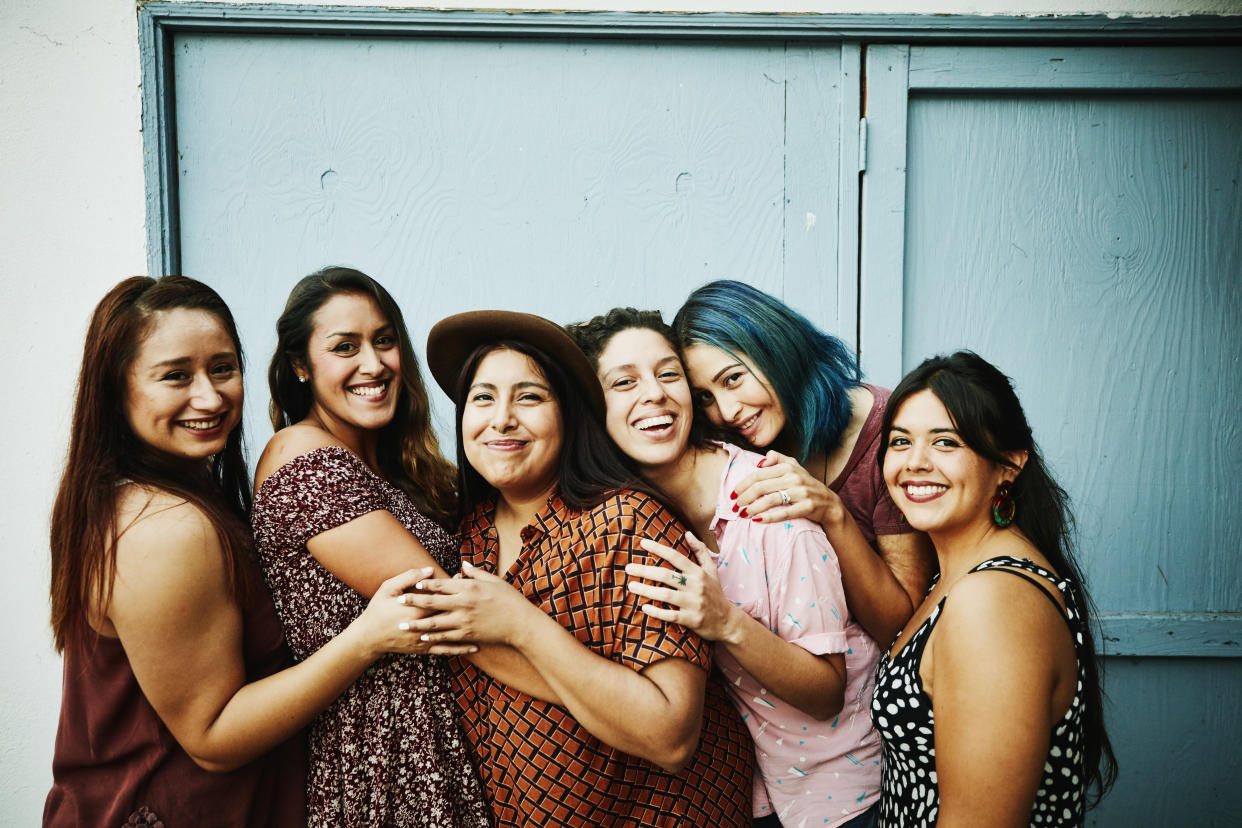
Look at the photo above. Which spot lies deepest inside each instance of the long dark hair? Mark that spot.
(104, 453)
(986, 413)
(590, 466)
(594, 335)
(409, 453)
(810, 372)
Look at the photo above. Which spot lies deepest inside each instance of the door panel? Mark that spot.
(560, 177)
(1073, 215)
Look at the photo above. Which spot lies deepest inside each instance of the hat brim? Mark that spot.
(453, 339)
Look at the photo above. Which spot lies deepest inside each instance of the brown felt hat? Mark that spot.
(453, 339)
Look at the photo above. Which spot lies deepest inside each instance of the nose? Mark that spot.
(369, 361)
(729, 408)
(203, 393)
(652, 390)
(502, 416)
(918, 457)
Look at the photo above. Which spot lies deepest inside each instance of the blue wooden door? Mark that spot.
(1075, 215)
(557, 176)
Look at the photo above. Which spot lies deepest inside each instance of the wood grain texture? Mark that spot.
(561, 177)
(1090, 247)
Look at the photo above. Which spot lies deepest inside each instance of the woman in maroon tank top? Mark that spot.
(175, 707)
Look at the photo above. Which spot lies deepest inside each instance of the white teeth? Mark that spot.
(654, 422)
(926, 490)
(368, 390)
(199, 425)
(749, 422)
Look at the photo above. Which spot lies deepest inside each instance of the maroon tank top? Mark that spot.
(116, 764)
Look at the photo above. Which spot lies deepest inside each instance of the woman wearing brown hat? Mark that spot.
(637, 734)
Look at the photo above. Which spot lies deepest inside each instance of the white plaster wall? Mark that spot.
(72, 224)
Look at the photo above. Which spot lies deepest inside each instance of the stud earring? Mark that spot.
(301, 378)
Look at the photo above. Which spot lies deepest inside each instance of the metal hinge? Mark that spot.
(862, 144)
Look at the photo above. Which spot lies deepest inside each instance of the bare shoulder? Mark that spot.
(288, 443)
(998, 609)
(165, 545)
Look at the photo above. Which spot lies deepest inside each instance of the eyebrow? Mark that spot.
(727, 368)
(896, 427)
(525, 384)
(387, 328)
(631, 366)
(185, 360)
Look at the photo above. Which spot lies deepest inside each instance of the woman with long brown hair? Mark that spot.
(176, 709)
(351, 489)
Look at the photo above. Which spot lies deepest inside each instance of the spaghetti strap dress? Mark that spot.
(902, 713)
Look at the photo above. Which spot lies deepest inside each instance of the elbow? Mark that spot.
(678, 758)
(675, 754)
(215, 765)
(824, 707)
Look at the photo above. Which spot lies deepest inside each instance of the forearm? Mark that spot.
(876, 599)
(813, 684)
(264, 713)
(510, 667)
(616, 704)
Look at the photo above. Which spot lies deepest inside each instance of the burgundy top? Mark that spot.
(861, 483)
(116, 764)
(540, 766)
(389, 751)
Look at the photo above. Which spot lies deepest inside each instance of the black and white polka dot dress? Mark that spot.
(902, 713)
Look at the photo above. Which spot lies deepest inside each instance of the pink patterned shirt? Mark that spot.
(786, 576)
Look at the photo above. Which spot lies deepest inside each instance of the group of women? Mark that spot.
(614, 610)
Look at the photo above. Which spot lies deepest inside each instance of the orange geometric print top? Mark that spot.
(538, 765)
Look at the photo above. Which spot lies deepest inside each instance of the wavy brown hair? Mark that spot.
(409, 453)
(104, 453)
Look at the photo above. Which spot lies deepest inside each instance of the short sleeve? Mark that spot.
(808, 600)
(636, 638)
(315, 492)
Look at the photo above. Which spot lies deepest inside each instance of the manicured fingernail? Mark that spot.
(732, 495)
(466, 565)
(743, 513)
(401, 600)
(424, 637)
(761, 462)
(427, 570)
(404, 626)
(757, 519)
(419, 585)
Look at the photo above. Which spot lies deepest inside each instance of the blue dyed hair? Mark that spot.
(810, 372)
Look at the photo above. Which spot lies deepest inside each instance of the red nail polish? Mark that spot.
(757, 520)
(732, 495)
(743, 513)
(761, 462)
(735, 507)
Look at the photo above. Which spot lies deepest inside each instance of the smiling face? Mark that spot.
(649, 410)
(511, 426)
(734, 394)
(939, 483)
(185, 385)
(354, 367)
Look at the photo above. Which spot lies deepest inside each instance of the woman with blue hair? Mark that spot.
(764, 373)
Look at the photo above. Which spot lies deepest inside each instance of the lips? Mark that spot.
(201, 425)
(505, 445)
(370, 390)
(923, 492)
(748, 426)
(658, 422)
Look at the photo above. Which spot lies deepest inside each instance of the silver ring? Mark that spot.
(679, 579)
(785, 499)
